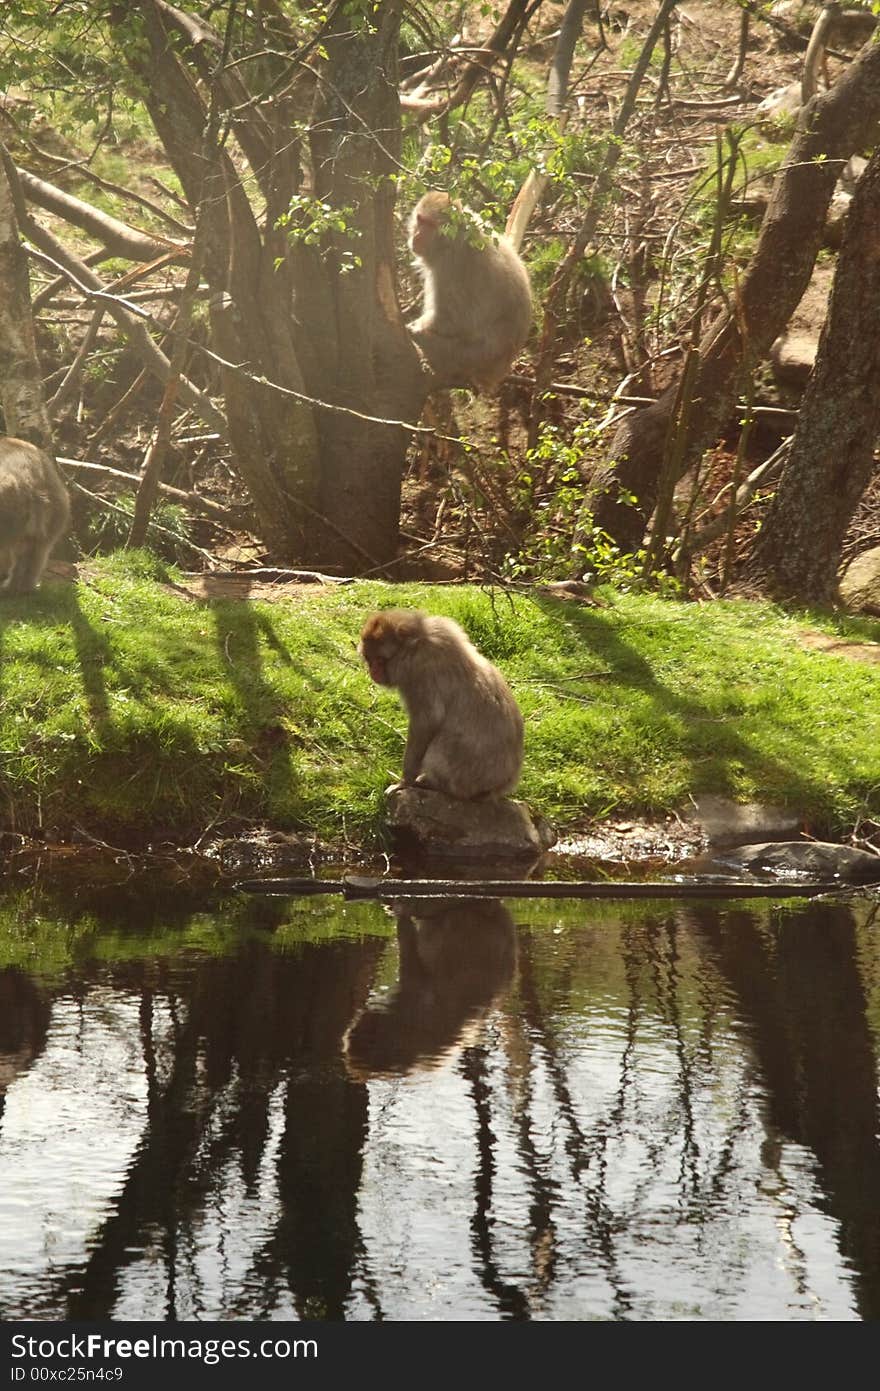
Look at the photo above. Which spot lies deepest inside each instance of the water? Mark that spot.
(267, 1109)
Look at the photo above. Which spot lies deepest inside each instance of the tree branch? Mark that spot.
(116, 236)
(128, 317)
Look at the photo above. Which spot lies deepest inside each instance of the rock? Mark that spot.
(577, 590)
(835, 222)
(794, 351)
(792, 356)
(851, 173)
(853, 27)
(813, 859)
(860, 583)
(726, 823)
(431, 823)
(778, 111)
(798, 14)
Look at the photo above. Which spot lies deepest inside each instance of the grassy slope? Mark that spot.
(127, 709)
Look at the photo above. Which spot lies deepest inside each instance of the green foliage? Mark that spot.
(757, 163)
(560, 153)
(314, 222)
(106, 529)
(548, 493)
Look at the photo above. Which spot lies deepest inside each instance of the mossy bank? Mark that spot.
(131, 711)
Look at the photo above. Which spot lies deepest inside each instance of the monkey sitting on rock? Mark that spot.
(477, 309)
(34, 514)
(465, 733)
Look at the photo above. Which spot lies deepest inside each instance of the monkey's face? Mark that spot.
(424, 231)
(428, 216)
(378, 646)
(377, 665)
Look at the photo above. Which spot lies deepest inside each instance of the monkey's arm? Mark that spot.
(424, 722)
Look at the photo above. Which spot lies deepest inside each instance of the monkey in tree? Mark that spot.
(34, 513)
(465, 733)
(477, 309)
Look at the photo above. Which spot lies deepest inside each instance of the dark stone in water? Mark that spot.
(815, 859)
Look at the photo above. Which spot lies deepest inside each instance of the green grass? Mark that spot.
(131, 712)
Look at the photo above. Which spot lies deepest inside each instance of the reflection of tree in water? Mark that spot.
(24, 1019)
(244, 1029)
(799, 984)
(247, 1075)
(456, 958)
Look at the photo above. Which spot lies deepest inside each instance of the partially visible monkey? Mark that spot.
(465, 728)
(477, 309)
(34, 513)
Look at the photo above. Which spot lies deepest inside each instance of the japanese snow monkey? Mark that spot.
(477, 309)
(34, 514)
(465, 733)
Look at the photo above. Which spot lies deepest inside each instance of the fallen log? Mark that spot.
(357, 886)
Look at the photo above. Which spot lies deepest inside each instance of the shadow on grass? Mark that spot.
(59, 603)
(152, 772)
(238, 630)
(628, 669)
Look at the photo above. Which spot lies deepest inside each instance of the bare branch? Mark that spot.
(116, 236)
(535, 186)
(193, 502)
(128, 317)
(81, 166)
(73, 375)
(424, 106)
(816, 49)
(154, 526)
(699, 540)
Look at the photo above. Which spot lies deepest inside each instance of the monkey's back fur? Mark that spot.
(458, 703)
(477, 307)
(34, 513)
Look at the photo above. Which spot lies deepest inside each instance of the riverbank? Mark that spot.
(133, 711)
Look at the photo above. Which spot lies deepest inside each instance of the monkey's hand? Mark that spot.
(395, 787)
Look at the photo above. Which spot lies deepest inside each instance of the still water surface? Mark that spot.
(280, 1109)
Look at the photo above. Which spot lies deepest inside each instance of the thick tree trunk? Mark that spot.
(797, 551)
(21, 391)
(830, 129)
(356, 352)
(313, 355)
(272, 434)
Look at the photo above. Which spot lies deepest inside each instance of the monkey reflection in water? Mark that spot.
(457, 956)
(465, 734)
(34, 514)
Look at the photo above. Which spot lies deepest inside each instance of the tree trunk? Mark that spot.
(307, 348)
(830, 129)
(272, 434)
(797, 551)
(21, 391)
(361, 356)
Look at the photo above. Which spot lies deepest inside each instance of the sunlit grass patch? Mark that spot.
(129, 710)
